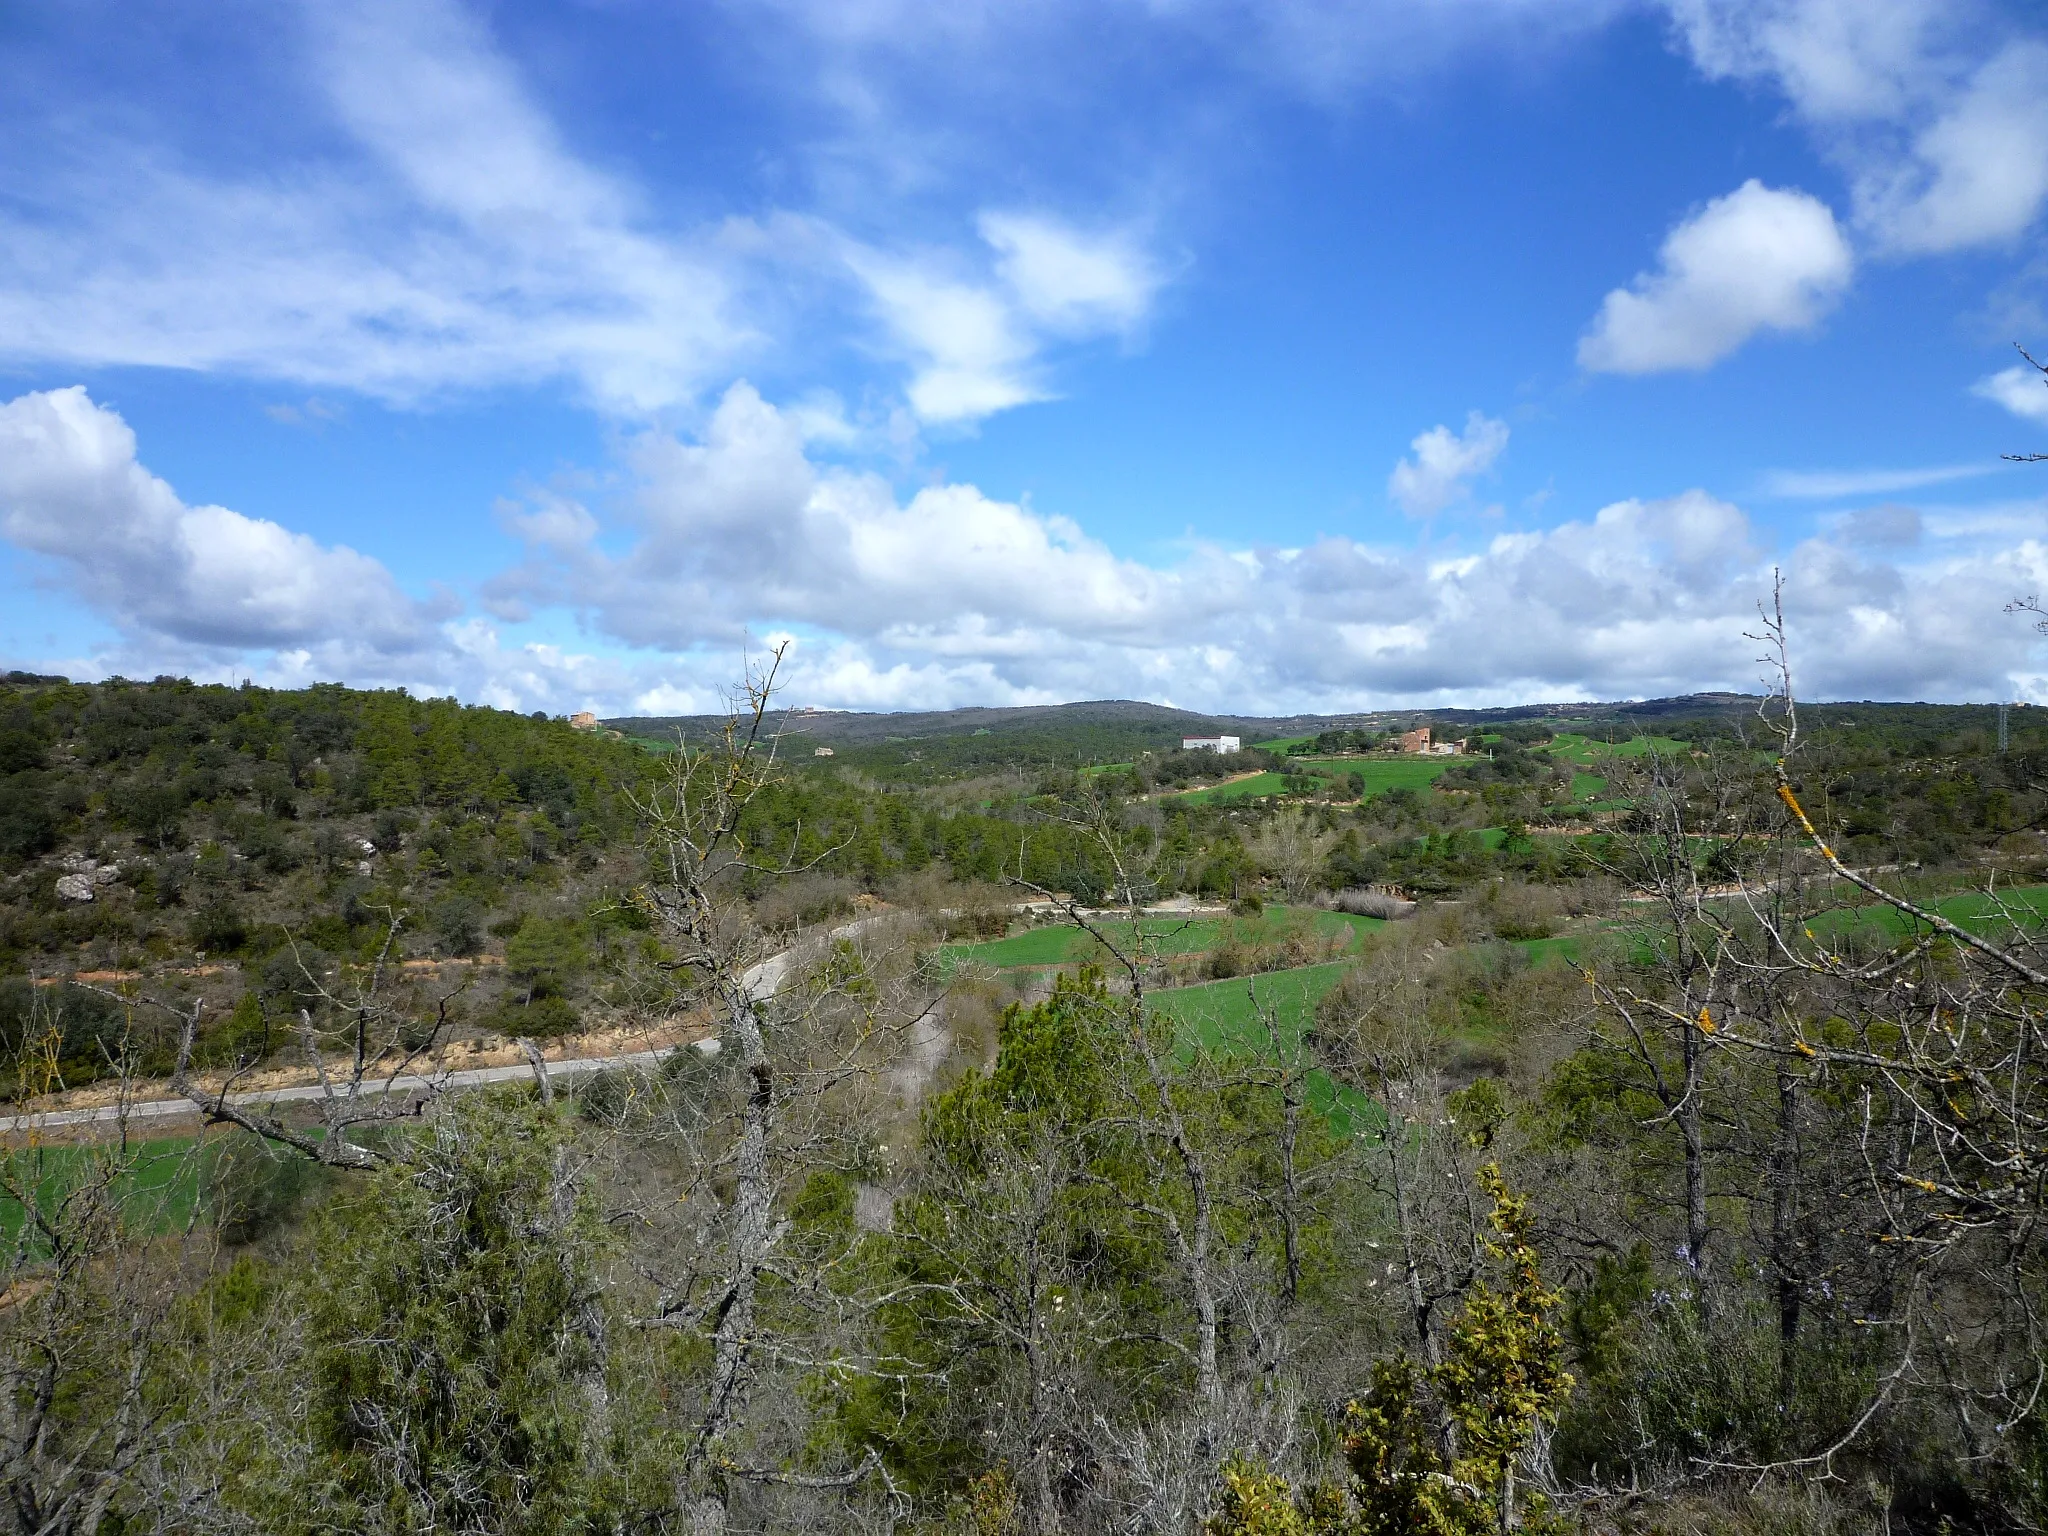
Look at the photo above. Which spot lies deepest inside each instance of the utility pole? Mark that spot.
(2002, 709)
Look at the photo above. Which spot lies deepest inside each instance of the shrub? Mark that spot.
(545, 955)
(459, 924)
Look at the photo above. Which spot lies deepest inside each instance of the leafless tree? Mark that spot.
(83, 1300)
(789, 1085)
(377, 1065)
(1292, 846)
(2031, 458)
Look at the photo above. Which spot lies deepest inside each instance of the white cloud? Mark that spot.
(1976, 174)
(1444, 465)
(2020, 389)
(1936, 109)
(1841, 61)
(1830, 484)
(217, 595)
(952, 597)
(971, 354)
(427, 228)
(1757, 259)
(455, 242)
(1069, 280)
(976, 339)
(71, 490)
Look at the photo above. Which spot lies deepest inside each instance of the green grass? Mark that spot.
(1585, 751)
(1063, 945)
(1281, 743)
(1973, 910)
(1244, 789)
(1642, 746)
(1567, 949)
(1588, 786)
(1384, 773)
(1229, 1018)
(161, 1188)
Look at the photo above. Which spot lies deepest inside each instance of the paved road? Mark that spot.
(762, 981)
(441, 1082)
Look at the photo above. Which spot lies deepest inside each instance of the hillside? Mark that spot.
(226, 844)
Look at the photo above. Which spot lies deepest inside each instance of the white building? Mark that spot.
(1208, 744)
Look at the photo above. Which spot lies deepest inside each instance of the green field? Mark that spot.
(161, 1188)
(1231, 1018)
(1585, 751)
(1384, 773)
(1063, 945)
(1244, 789)
(1974, 910)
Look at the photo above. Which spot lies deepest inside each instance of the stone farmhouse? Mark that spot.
(1420, 740)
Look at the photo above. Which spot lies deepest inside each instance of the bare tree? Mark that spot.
(1292, 846)
(375, 1062)
(2042, 368)
(789, 1086)
(83, 1300)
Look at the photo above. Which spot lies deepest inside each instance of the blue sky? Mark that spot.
(1244, 356)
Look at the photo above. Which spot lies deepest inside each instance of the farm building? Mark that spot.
(1419, 740)
(1208, 744)
(583, 720)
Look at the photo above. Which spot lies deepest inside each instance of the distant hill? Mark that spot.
(1138, 719)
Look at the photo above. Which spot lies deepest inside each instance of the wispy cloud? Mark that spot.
(2021, 390)
(1833, 484)
(449, 238)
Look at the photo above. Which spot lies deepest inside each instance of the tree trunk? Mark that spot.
(1784, 1232)
(1691, 1126)
(732, 1337)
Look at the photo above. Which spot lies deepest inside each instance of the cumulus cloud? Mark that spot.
(1758, 259)
(949, 596)
(1444, 464)
(218, 595)
(954, 597)
(2021, 390)
(1938, 112)
(72, 490)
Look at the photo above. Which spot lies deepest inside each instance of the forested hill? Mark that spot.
(253, 836)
